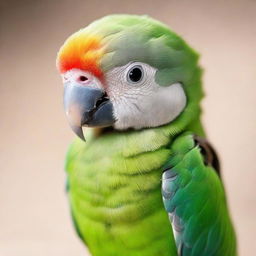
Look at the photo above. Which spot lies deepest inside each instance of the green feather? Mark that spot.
(115, 179)
(198, 202)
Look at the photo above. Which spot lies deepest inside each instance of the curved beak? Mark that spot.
(87, 106)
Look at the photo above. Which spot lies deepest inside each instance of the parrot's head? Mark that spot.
(128, 71)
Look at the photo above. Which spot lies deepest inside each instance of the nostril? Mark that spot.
(83, 78)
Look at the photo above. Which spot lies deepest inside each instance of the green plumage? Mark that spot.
(197, 201)
(115, 179)
(115, 192)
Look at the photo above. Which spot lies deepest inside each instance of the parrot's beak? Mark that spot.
(87, 106)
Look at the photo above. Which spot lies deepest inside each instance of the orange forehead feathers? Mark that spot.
(81, 51)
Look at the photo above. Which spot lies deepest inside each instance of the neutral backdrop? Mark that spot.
(34, 216)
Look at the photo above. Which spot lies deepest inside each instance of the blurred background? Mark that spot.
(34, 215)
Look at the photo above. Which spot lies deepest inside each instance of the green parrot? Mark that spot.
(142, 180)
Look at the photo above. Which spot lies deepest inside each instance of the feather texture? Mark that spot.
(193, 195)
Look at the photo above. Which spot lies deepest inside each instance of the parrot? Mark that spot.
(142, 178)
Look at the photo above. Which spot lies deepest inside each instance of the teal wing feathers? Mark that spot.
(194, 198)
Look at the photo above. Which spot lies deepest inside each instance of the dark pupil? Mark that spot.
(135, 74)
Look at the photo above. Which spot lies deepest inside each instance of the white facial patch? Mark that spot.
(140, 103)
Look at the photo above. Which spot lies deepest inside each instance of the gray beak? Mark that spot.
(87, 106)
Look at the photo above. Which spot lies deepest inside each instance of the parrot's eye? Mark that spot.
(135, 74)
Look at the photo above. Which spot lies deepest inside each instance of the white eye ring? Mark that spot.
(135, 74)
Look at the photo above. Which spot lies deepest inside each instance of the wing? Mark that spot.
(194, 198)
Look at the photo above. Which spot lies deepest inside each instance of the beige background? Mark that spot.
(34, 217)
